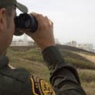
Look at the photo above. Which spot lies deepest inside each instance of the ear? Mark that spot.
(2, 18)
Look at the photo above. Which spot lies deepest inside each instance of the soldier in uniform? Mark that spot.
(64, 79)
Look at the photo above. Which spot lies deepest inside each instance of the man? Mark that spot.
(63, 77)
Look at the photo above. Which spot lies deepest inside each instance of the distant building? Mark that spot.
(25, 37)
(57, 41)
(94, 49)
(88, 47)
(72, 43)
(22, 43)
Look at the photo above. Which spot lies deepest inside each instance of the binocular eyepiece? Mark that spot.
(25, 21)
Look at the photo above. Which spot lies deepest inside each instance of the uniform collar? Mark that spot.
(4, 61)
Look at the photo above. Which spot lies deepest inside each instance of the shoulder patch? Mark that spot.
(41, 87)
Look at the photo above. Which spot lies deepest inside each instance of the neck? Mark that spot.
(3, 53)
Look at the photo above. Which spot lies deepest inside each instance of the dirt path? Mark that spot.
(89, 57)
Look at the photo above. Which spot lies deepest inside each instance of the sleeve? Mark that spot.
(63, 76)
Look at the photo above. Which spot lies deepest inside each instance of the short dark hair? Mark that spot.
(9, 10)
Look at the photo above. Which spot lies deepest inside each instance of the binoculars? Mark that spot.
(25, 21)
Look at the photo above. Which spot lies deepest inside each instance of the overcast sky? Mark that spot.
(73, 19)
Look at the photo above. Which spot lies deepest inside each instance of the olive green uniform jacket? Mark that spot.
(64, 79)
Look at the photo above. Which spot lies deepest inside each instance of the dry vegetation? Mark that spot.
(33, 61)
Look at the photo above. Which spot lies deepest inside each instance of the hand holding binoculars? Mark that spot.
(25, 21)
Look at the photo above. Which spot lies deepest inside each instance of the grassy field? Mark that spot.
(32, 60)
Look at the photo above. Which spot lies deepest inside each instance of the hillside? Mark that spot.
(31, 59)
(88, 57)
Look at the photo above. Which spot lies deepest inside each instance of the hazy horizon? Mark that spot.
(73, 19)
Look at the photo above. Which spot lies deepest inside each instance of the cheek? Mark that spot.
(11, 31)
(13, 25)
(12, 28)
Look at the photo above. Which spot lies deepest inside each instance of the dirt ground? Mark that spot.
(89, 57)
